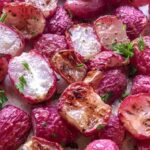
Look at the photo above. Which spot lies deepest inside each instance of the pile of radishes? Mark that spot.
(83, 66)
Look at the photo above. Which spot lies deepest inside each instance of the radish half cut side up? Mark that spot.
(68, 66)
(28, 19)
(110, 30)
(48, 7)
(32, 77)
(76, 105)
(83, 40)
(39, 143)
(134, 113)
(11, 42)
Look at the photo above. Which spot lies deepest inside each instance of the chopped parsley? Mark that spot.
(141, 43)
(22, 83)
(3, 98)
(26, 65)
(3, 17)
(106, 96)
(126, 49)
(80, 65)
(101, 126)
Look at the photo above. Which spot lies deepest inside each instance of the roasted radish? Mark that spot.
(48, 124)
(83, 40)
(135, 116)
(68, 66)
(28, 19)
(106, 60)
(14, 127)
(134, 20)
(35, 81)
(83, 108)
(60, 22)
(48, 44)
(110, 31)
(141, 84)
(11, 42)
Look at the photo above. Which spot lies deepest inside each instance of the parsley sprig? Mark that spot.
(22, 83)
(3, 98)
(26, 65)
(101, 126)
(141, 43)
(80, 65)
(125, 49)
(107, 96)
(3, 17)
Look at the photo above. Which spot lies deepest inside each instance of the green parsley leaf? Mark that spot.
(3, 98)
(80, 65)
(101, 126)
(26, 65)
(3, 17)
(125, 50)
(141, 43)
(106, 96)
(22, 83)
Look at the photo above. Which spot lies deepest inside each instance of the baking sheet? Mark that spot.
(16, 100)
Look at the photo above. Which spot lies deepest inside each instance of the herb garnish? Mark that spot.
(3, 98)
(26, 65)
(22, 83)
(101, 126)
(80, 65)
(125, 49)
(106, 96)
(3, 17)
(141, 43)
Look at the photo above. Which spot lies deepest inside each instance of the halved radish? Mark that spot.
(83, 108)
(48, 7)
(32, 76)
(28, 19)
(110, 30)
(68, 66)
(134, 113)
(83, 40)
(106, 60)
(11, 43)
(36, 143)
